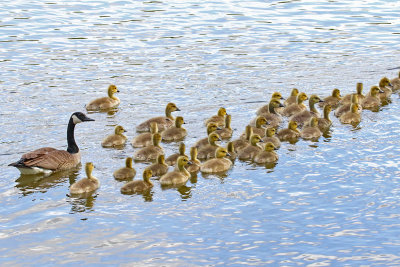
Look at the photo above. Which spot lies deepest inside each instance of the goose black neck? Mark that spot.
(72, 147)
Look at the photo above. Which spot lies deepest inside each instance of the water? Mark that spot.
(333, 202)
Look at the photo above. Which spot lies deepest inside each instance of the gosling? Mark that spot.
(85, 185)
(218, 164)
(138, 186)
(107, 102)
(125, 173)
(116, 139)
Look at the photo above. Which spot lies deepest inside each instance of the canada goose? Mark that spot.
(271, 137)
(144, 139)
(127, 172)
(268, 155)
(243, 141)
(150, 153)
(175, 133)
(346, 107)
(266, 108)
(292, 99)
(211, 127)
(353, 116)
(116, 139)
(217, 164)
(296, 107)
(270, 114)
(396, 82)
(347, 98)
(208, 151)
(163, 122)
(372, 101)
(259, 129)
(305, 115)
(250, 151)
(47, 159)
(231, 151)
(226, 132)
(138, 186)
(386, 87)
(289, 134)
(85, 185)
(219, 119)
(171, 160)
(195, 166)
(179, 175)
(158, 168)
(107, 102)
(332, 100)
(311, 131)
(325, 122)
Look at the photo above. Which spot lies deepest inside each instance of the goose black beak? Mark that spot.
(87, 119)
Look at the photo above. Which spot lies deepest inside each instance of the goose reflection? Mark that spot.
(28, 184)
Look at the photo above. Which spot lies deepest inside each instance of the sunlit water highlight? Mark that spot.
(333, 202)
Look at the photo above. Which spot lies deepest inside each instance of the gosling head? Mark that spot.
(147, 173)
(314, 122)
(294, 92)
(277, 96)
(292, 125)
(274, 103)
(269, 147)
(230, 147)
(359, 88)
(327, 108)
(156, 138)
(182, 148)
(315, 99)
(193, 153)
(161, 159)
(172, 107)
(179, 121)
(261, 121)
(89, 168)
(182, 161)
(211, 127)
(271, 131)
(221, 152)
(355, 108)
(128, 162)
(385, 82)
(119, 130)
(354, 98)
(301, 97)
(375, 90)
(221, 112)
(112, 89)
(336, 93)
(249, 132)
(213, 137)
(78, 117)
(228, 119)
(255, 139)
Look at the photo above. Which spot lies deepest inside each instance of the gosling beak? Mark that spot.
(276, 148)
(117, 91)
(219, 128)
(261, 141)
(227, 153)
(381, 91)
(125, 131)
(177, 109)
(281, 105)
(391, 85)
(321, 101)
(189, 162)
(219, 139)
(282, 98)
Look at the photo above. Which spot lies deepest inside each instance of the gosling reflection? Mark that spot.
(28, 184)
(83, 202)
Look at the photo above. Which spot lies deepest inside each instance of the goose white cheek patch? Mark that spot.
(75, 119)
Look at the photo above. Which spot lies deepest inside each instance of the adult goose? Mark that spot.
(46, 160)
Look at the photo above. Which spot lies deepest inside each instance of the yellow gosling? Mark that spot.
(243, 141)
(290, 134)
(346, 107)
(138, 186)
(179, 176)
(347, 98)
(218, 164)
(144, 139)
(351, 117)
(211, 127)
(85, 185)
(226, 132)
(250, 151)
(175, 133)
(270, 114)
(171, 160)
(305, 115)
(268, 155)
(150, 153)
(259, 129)
(195, 166)
(396, 83)
(311, 131)
(325, 122)
(208, 151)
(107, 102)
(127, 172)
(332, 100)
(271, 137)
(163, 122)
(296, 107)
(386, 87)
(292, 99)
(116, 139)
(231, 151)
(219, 119)
(158, 168)
(372, 101)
